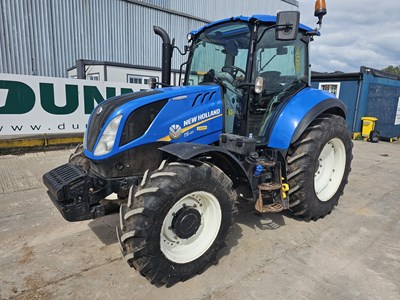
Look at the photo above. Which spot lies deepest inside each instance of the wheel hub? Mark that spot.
(329, 169)
(186, 222)
(190, 227)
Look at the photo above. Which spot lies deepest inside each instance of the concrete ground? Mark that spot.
(352, 254)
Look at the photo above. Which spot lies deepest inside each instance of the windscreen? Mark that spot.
(218, 46)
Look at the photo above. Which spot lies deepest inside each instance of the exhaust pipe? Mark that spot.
(166, 55)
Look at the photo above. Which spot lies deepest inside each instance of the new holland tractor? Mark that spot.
(244, 126)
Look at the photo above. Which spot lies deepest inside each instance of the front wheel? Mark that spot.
(319, 166)
(176, 221)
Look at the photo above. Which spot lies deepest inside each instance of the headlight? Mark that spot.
(107, 140)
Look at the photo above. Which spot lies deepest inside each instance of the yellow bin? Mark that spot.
(368, 124)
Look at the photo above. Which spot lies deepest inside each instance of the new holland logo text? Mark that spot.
(201, 117)
(175, 132)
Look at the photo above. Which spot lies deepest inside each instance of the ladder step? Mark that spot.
(270, 186)
(274, 207)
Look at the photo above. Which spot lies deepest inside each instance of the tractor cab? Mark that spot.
(255, 65)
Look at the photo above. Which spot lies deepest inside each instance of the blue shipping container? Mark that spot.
(367, 93)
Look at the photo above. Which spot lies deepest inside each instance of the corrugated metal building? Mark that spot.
(46, 37)
(370, 93)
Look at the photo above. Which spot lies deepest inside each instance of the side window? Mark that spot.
(139, 79)
(289, 59)
(134, 79)
(331, 87)
(93, 76)
(207, 56)
(241, 59)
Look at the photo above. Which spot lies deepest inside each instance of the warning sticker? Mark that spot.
(397, 120)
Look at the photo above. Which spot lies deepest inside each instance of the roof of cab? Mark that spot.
(262, 18)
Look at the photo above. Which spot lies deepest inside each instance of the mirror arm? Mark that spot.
(179, 50)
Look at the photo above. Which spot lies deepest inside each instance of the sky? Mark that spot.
(354, 33)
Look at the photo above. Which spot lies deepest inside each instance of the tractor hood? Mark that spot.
(175, 114)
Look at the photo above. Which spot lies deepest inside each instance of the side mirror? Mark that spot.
(287, 25)
(152, 83)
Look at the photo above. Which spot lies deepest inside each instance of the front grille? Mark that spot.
(139, 120)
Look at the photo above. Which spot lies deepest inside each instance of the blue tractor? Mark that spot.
(244, 126)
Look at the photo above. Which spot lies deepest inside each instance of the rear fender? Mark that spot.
(301, 110)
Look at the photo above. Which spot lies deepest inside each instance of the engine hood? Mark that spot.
(156, 111)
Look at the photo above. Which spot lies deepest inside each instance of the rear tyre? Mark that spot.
(176, 221)
(318, 167)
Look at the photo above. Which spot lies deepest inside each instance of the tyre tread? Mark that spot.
(137, 243)
(300, 175)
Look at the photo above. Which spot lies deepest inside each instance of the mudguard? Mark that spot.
(223, 158)
(299, 112)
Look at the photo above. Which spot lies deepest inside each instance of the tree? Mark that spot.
(392, 69)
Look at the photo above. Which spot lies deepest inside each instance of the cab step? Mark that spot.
(280, 202)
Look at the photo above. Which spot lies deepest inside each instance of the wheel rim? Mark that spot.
(183, 250)
(331, 165)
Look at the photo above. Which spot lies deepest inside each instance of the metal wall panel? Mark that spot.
(218, 9)
(45, 37)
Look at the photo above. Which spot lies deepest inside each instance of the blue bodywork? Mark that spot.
(200, 120)
(292, 114)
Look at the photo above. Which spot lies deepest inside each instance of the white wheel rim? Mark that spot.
(186, 250)
(331, 165)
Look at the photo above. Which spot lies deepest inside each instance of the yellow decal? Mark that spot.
(202, 128)
(297, 60)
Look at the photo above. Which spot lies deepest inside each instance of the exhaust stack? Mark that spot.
(166, 55)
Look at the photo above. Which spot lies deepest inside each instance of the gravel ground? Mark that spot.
(354, 253)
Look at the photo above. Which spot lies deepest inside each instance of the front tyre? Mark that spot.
(176, 221)
(319, 166)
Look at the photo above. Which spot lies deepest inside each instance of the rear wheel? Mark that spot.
(319, 166)
(176, 221)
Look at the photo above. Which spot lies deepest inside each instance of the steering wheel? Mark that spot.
(233, 70)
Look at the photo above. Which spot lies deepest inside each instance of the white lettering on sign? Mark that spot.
(397, 120)
(38, 105)
(3, 97)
